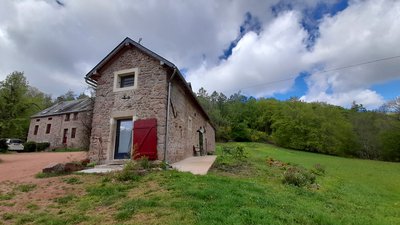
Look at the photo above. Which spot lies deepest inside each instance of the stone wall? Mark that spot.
(186, 120)
(58, 124)
(148, 100)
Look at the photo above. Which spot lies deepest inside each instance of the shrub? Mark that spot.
(129, 172)
(42, 146)
(30, 146)
(3, 146)
(237, 152)
(298, 176)
(318, 169)
(144, 162)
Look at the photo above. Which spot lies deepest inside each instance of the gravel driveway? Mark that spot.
(19, 167)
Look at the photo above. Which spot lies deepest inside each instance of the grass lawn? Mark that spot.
(352, 191)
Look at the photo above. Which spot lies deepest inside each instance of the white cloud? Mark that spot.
(364, 31)
(43, 38)
(274, 54)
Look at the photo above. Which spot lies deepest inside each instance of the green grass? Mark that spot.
(67, 150)
(25, 187)
(246, 191)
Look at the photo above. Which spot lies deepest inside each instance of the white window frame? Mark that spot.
(121, 73)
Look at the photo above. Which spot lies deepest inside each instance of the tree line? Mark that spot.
(19, 101)
(315, 127)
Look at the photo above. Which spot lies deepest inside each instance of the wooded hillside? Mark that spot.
(315, 127)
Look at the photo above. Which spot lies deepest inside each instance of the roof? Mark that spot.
(64, 107)
(128, 41)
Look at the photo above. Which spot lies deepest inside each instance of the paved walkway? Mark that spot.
(197, 165)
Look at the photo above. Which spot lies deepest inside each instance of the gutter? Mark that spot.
(167, 118)
(91, 82)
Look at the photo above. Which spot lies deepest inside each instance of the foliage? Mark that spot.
(30, 146)
(3, 146)
(298, 176)
(315, 127)
(19, 101)
(42, 146)
(129, 173)
(318, 169)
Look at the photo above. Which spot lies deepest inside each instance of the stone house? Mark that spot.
(65, 124)
(144, 107)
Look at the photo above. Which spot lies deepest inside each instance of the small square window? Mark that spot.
(37, 120)
(75, 116)
(127, 81)
(50, 118)
(67, 117)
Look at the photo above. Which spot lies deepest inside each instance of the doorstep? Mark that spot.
(105, 168)
(198, 165)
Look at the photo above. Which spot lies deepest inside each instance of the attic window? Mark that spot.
(126, 79)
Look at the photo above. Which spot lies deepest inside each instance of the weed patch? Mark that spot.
(25, 187)
(72, 180)
(47, 175)
(298, 176)
(65, 199)
(7, 196)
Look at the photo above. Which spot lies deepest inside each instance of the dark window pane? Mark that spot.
(36, 130)
(127, 81)
(48, 128)
(73, 132)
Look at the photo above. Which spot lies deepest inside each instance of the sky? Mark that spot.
(334, 51)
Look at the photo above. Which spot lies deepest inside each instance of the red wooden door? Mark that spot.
(145, 139)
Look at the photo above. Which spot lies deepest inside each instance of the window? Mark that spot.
(73, 132)
(50, 118)
(126, 79)
(36, 130)
(37, 120)
(75, 116)
(48, 128)
(67, 117)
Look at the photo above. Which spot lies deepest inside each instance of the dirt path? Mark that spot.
(22, 167)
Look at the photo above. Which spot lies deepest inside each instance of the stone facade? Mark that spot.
(186, 122)
(58, 124)
(147, 100)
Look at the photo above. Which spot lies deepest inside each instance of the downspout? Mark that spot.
(167, 118)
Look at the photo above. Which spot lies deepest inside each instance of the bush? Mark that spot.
(318, 169)
(3, 146)
(129, 173)
(42, 146)
(298, 176)
(237, 152)
(30, 146)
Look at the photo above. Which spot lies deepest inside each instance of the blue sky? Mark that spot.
(224, 45)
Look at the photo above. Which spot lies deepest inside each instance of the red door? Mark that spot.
(145, 139)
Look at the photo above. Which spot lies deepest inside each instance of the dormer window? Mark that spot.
(125, 79)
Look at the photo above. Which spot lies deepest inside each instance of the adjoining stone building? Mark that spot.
(65, 124)
(144, 107)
